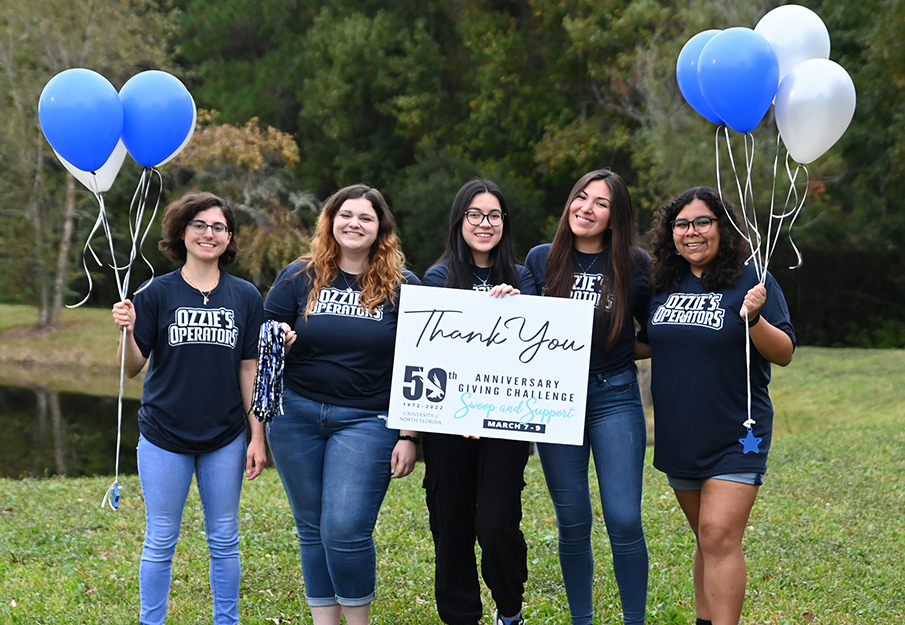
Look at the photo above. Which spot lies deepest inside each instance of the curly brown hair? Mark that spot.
(382, 277)
(177, 217)
(668, 268)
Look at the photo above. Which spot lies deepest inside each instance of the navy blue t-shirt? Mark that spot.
(699, 378)
(588, 279)
(343, 354)
(191, 400)
(483, 278)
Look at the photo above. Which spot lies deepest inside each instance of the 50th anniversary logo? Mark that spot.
(471, 364)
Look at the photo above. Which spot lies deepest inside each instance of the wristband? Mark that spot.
(406, 437)
(753, 320)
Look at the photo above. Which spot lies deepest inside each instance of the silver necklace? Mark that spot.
(483, 281)
(205, 295)
(349, 288)
(584, 272)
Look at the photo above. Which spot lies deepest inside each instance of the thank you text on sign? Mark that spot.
(471, 364)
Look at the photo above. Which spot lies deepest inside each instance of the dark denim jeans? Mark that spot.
(615, 433)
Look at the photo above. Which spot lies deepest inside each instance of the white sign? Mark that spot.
(514, 367)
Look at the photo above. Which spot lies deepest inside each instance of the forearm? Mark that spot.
(134, 359)
(772, 343)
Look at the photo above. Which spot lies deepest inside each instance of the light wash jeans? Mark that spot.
(165, 480)
(335, 466)
(615, 432)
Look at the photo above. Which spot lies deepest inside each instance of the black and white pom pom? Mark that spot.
(267, 399)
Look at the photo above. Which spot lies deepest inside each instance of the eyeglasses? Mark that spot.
(200, 227)
(476, 218)
(701, 225)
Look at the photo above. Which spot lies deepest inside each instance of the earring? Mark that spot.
(678, 253)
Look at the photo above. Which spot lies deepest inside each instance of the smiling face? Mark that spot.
(206, 246)
(355, 226)
(589, 216)
(483, 237)
(700, 250)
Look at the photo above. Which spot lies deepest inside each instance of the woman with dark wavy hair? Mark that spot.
(474, 486)
(201, 326)
(704, 294)
(595, 256)
(332, 448)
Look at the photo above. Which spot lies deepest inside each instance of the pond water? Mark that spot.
(48, 432)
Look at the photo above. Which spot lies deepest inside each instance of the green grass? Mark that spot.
(80, 357)
(825, 543)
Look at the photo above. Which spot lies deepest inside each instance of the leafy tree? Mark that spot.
(252, 165)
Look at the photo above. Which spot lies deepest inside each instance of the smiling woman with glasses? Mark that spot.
(474, 486)
(703, 296)
(199, 327)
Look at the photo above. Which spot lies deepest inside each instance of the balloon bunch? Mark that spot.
(90, 128)
(731, 77)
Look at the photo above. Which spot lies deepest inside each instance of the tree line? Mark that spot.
(415, 97)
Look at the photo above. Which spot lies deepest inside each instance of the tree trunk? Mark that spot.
(59, 281)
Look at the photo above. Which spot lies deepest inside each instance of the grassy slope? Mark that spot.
(825, 542)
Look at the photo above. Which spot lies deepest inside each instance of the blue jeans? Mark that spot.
(335, 466)
(165, 480)
(615, 432)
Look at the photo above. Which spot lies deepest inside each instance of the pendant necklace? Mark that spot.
(584, 272)
(205, 295)
(349, 288)
(483, 281)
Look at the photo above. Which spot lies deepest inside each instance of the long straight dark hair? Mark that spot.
(460, 257)
(620, 245)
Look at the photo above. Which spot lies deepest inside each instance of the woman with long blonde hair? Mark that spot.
(332, 448)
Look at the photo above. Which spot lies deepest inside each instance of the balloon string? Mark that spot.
(112, 494)
(744, 234)
(749, 421)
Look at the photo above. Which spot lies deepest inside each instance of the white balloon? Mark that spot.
(796, 34)
(814, 106)
(101, 180)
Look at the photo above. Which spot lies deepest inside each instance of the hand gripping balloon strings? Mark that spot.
(267, 398)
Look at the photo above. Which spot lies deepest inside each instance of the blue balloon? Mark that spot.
(81, 116)
(158, 117)
(687, 75)
(739, 74)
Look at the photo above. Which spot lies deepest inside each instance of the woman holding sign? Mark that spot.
(594, 256)
(474, 486)
(331, 446)
(703, 295)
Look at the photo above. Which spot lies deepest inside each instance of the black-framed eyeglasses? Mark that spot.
(201, 227)
(701, 225)
(476, 218)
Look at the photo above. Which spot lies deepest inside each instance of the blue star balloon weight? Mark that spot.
(750, 442)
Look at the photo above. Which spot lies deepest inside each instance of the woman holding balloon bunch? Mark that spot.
(199, 328)
(706, 304)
